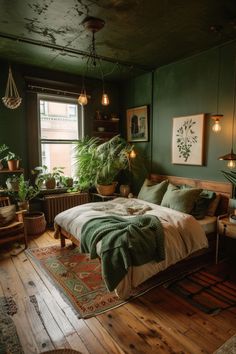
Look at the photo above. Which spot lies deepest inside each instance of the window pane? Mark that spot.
(58, 120)
(59, 155)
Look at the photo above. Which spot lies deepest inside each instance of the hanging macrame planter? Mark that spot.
(11, 99)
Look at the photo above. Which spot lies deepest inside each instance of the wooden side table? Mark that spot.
(226, 229)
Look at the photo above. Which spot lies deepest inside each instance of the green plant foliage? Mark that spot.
(43, 174)
(100, 163)
(3, 148)
(230, 176)
(186, 137)
(25, 191)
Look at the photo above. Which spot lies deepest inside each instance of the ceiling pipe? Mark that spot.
(73, 51)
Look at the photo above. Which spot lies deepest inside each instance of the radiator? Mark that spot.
(54, 204)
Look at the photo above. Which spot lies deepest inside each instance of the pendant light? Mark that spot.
(216, 128)
(231, 157)
(93, 25)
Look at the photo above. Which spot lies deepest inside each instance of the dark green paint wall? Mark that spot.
(13, 126)
(188, 87)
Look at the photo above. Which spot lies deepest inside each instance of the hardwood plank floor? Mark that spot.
(157, 322)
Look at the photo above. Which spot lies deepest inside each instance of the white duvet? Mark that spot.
(183, 233)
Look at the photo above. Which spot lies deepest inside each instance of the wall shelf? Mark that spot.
(6, 170)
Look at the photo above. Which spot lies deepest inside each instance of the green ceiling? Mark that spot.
(144, 34)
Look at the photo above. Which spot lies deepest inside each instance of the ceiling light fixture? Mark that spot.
(231, 157)
(216, 117)
(93, 25)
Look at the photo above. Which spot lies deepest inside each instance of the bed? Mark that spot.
(184, 235)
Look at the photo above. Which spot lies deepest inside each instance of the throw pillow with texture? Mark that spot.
(180, 199)
(153, 192)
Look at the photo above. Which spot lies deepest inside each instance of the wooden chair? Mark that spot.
(15, 229)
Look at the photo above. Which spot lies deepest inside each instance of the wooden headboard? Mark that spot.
(225, 189)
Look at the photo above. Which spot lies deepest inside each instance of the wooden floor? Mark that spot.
(157, 322)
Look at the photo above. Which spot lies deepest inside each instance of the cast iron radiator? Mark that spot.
(56, 203)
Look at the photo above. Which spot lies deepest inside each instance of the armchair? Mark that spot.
(12, 226)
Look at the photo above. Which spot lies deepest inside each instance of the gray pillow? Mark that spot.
(180, 199)
(7, 214)
(153, 192)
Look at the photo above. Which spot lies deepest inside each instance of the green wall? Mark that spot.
(187, 87)
(13, 123)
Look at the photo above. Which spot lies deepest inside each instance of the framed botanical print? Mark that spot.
(137, 124)
(188, 140)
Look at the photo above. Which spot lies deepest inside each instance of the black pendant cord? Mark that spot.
(233, 106)
(218, 83)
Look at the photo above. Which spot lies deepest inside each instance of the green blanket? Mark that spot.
(125, 242)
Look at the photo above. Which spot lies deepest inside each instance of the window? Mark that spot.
(60, 126)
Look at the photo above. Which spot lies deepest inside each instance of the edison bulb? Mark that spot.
(231, 164)
(105, 100)
(216, 127)
(83, 100)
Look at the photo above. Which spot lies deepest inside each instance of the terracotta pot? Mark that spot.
(50, 183)
(13, 164)
(106, 189)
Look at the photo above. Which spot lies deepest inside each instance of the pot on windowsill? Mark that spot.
(106, 190)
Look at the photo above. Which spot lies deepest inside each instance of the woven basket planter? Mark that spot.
(35, 223)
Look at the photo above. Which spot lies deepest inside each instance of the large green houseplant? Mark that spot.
(100, 163)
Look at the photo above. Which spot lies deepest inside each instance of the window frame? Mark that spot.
(59, 99)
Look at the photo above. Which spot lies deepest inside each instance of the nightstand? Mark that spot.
(225, 228)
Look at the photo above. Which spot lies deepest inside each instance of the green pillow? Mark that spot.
(153, 192)
(180, 199)
(202, 203)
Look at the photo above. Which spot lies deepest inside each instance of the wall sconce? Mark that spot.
(231, 157)
(132, 154)
(216, 128)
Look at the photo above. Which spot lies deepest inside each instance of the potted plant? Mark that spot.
(50, 179)
(98, 165)
(3, 148)
(13, 161)
(23, 193)
(66, 181)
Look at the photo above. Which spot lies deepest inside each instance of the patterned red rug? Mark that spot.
(79, 279)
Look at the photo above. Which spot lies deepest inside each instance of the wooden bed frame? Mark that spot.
(225, 189)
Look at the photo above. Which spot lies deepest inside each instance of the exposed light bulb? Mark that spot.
(105, 99)
(231, 164)
(83, 100)
(132, 154)
(216, 126)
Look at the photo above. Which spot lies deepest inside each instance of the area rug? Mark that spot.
(9, 340)
(229, 347)
(79, 279)
(209, 293)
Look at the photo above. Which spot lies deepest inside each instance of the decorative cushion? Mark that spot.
(7, 214)
(180, 199)
(153, 192)
(202, 203)
(211, 211)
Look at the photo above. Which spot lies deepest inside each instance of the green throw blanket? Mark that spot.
(125, 242)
